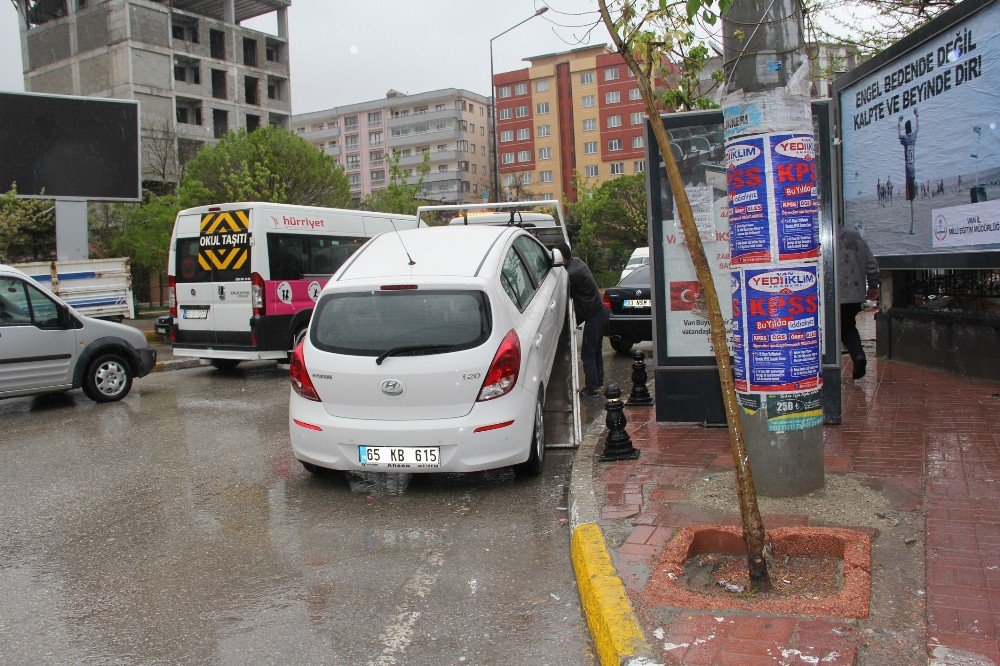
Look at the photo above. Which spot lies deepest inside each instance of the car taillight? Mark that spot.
(503, 372)
(172, 294)
(257, 294)
(607, 300)
(299, 375)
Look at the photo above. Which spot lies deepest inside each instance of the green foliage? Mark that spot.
(269, 164)
(27, 229)
(612, 221)
(398, 196)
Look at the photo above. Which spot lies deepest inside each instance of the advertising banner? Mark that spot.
(749, 206)
(921, 144)
(796, 204)
(780, 325)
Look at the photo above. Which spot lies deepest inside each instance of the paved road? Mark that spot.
(175, 526)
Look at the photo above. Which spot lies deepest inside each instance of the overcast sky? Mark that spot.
(348, 52)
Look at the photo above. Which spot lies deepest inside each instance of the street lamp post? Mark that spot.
(493, 107)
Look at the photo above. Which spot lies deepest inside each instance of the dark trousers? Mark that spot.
(849, 335)
(591, 352)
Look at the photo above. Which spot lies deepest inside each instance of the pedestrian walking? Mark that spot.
(856, 268)
(590, 312)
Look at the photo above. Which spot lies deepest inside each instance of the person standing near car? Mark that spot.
(856, 267)
(590, 311)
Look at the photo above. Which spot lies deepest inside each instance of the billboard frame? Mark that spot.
(908, 44)
(138, 138)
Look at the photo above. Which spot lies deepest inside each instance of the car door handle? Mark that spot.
(552, 305)
(538, 340)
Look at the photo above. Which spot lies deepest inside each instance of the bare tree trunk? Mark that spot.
(753, 526)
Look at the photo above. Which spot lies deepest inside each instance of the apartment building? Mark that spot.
(574, 111)
(450, 126)
(196, 72)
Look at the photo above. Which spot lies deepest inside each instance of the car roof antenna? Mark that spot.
(400, 237)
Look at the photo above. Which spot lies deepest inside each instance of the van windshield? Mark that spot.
(372, 322)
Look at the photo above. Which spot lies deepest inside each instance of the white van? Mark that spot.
(244, 277)
(640, 257)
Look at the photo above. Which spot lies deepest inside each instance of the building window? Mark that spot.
(612, 97)
(521, 89)
(586, 77)
(506, 135)
(374, 118)
(378, 177)
(634, 94)
(376, 158)
(523, 134)
(542, 108)
(614, 121)
(331, 124)
(589, 124)
(638, 166)
(350, 123)
(590, 171)
(545, 153)
(617, 168)
(524, 156)
(442, 167)
(374, 139)
(590, 148)
(545, 176)
(544, 130)
(521, 112)
(351, 142)
(614, 144)
(587, 101)
(526, 178)
(541, 85)
(510, 181)
(505, 114)
(507, 158)
(611, 74)
(638, 142)
(353, 161)
(354, 179)
(472, 148)
(503, 91)
(637, 118)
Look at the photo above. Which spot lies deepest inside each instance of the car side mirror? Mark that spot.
(557, 258)
(65, 318)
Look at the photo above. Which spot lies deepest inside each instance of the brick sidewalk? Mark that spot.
(929, 441)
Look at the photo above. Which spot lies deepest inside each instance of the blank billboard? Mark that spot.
(69, 147)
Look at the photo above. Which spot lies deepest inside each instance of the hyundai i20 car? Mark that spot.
(430, 350)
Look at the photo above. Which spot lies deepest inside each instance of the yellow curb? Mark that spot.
(152, 336)
(613, 625)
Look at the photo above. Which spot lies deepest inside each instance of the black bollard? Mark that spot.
(639, 396)
(618, 446)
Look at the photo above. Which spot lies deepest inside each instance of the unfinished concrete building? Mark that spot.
(196, 72)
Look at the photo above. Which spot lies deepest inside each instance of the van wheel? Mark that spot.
(108, 378)
(225, 364)
(536, 458)
(621, 345)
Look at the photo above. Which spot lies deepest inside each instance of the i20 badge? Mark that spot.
(392, 387)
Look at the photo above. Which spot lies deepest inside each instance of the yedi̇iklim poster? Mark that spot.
(921, 145)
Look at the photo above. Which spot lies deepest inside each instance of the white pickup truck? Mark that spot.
(100, 288)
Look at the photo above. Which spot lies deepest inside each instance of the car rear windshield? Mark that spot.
(637, 278)
(372, 322)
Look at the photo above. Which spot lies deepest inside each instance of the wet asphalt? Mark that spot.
(176, 527)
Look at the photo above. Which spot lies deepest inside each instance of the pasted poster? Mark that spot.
(794, 412)
(749, 205)
(780, 324)
(224, 245)
(796, 203)
(921, 144)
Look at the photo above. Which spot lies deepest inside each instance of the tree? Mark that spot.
(611, 218)
(872, 25)
(27, 228)
(269, 164)
(398, 196)
(634, 32)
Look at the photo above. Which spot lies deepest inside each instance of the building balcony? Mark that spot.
(322, 134)
(436, 177)
(378, 183)
(437, 156)
(376, 163)
(424, 117)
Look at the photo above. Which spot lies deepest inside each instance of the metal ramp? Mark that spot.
(562, 398)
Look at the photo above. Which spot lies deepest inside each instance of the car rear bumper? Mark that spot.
(637, 329)
(145, 359)
(335, 445)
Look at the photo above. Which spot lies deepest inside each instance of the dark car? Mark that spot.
(631, 318)
(162, 325)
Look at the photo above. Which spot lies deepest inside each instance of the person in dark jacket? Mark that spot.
(590, 311)
(856, 268)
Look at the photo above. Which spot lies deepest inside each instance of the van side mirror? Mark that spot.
(557, 258)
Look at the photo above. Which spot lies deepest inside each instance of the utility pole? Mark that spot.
(774, 243)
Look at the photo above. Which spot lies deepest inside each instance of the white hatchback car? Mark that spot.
(430, 351)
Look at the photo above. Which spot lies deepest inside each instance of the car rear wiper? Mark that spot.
(411, 348)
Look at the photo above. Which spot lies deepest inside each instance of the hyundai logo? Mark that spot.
(392, 387)
(638, 292)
